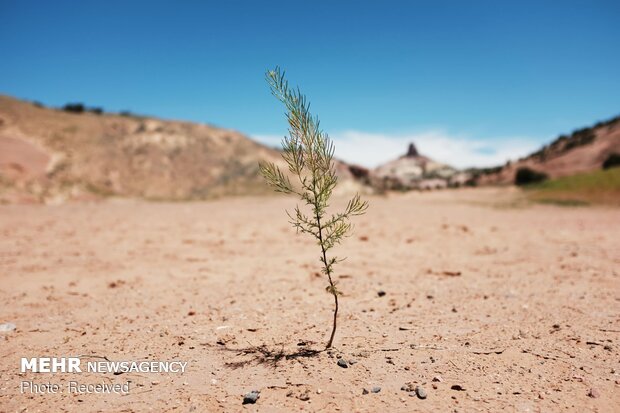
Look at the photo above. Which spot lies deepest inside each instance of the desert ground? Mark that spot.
(486, 303)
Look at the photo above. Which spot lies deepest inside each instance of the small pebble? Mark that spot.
(6, 327)
(251, 397)
(594, 393)
(408, 387)
(364, 391)
(437, 379)
(381, 293)
(376, 389)
(342, 363)
(419, 390)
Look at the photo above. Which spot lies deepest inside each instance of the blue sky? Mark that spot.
(472, 82)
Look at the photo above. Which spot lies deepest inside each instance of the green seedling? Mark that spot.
(309, 153)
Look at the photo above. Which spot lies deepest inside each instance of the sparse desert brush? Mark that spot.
(612, 161)
(74, 107)
(526, 176)
(309, 153)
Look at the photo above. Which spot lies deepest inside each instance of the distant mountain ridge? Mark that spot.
(53, 156)
(584, 150)
(79, 153)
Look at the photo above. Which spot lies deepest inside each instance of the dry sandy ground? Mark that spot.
(532, 323)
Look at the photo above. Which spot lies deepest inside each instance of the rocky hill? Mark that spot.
(52, 155)
(415, 171)
(584, 150)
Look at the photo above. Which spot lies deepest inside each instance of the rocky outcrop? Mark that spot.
(413, 171)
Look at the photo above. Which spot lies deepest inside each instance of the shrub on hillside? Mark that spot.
(527, 176)
(579, 138)
(74, 107)
(612, 161)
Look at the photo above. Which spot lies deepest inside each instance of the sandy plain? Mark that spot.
(489, 305)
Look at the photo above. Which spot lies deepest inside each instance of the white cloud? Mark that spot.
(373, 149)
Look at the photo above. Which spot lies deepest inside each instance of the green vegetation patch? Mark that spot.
(598, 187)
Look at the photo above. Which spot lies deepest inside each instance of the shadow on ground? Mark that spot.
(264, 355)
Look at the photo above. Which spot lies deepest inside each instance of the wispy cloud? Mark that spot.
(373, 149)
